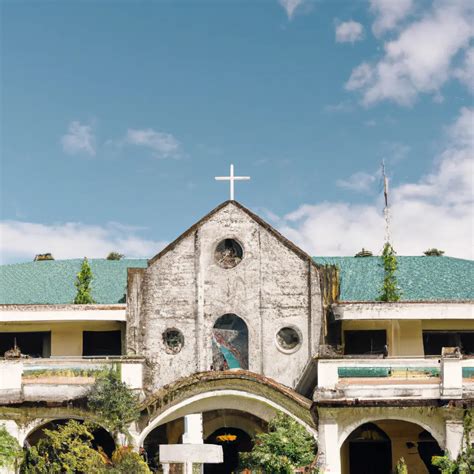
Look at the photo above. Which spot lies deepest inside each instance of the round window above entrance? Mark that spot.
(229, 253)
(288, 339)
(173, 340)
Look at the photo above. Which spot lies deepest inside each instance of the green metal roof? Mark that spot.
(52, 281)
(420, 279)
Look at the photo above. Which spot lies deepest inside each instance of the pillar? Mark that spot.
(329, 446)
(454, 437)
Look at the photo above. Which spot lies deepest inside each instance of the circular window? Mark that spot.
(173, 340)
(229, 253)
(288, 339)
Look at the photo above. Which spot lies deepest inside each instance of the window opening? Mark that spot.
(230, 343)
(434, 341)
(229, 253)
(33, 344)
(371, 342)
(173, 340)
(102, 343)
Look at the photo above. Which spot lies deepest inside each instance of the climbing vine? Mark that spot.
(464, 464)
(390, 290)
(10, 450)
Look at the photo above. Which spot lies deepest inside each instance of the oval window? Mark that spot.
(228, 253)
(288, 339)
(173, 340)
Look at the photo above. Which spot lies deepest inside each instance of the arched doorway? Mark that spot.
(427, 448)
(230, 343)
(233, 442)
(370, 451)
(102, 438)
(377, 446)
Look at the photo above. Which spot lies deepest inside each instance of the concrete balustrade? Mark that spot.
(447, 378)
(57, 379)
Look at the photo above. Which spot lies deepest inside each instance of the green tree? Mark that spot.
(114, 403)
(115, 256)
(286, 446)
(10, 451)
(464, 464)
(65, 450)
(390, 290)
(83, 284)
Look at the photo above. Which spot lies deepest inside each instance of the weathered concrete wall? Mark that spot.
(271, 288)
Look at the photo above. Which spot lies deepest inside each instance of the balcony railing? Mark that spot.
(393, 378)
(64, 378)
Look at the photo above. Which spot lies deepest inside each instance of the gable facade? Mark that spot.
(274, 286)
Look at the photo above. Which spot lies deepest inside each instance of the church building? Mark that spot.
(235, 322)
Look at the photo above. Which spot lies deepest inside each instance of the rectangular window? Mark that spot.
(434, 341)
(365, 342)
(34, 344)
(102, 343)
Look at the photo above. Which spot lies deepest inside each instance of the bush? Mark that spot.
(126, 461)
(67, 449)
(10, 451)
(285, 447)
(115, 256)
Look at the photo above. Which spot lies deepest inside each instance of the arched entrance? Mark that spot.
(427, 448)
(230, 342)
(377, 446)
(370, 451)
(233, 442)
(102, 437)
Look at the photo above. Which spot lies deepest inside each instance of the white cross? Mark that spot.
(232, 178)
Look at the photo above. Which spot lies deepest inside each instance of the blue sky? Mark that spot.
(116, 116)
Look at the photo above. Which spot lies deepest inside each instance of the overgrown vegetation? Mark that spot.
(68, 449)
(114, 403)
(285, 447)
(42, 257)
(125, 461)
(115, 256)
(401, 467)
(10, 451)
(464, 464)
(434, 252)
(83, 284)
(390, 290)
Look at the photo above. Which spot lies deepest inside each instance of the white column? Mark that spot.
(454, 437)
(329, 446)
(451, 376)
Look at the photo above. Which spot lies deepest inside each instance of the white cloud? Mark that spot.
(349, 32)
(465, 73)
(359, 182)
(23, 240)
(388, 13)
(420, 59)
(163, 145)
(79, 139)
(291, 6)
(435, 211)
